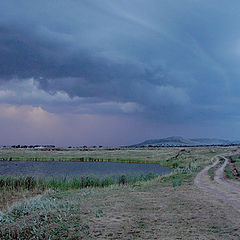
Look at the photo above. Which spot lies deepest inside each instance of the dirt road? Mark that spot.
(220, 187)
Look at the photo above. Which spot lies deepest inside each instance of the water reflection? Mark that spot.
(55, 168)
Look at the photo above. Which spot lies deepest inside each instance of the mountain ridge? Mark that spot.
(180, 141)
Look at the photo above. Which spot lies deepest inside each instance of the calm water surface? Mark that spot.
(78, 168)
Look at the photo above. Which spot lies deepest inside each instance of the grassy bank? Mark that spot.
(232, 170)
(88, 159)
(54, 206)
(30, 183)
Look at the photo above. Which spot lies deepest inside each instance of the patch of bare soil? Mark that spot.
(159, 211)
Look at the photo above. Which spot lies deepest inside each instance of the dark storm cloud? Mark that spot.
(167, 60)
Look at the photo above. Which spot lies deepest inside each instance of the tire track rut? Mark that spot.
(219, 187)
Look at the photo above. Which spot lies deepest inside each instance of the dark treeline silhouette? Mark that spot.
(33, 146)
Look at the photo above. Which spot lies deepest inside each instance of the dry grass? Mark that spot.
(152, 210)
(135, 154)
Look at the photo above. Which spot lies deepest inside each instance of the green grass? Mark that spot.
(211, 171)
(13, 183)
(77, 154)
(171, 163)
(228, 170)
(178, 176)
(235, 159)
(47, 210)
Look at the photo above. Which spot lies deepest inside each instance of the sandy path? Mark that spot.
(224, 190)
(220, 179)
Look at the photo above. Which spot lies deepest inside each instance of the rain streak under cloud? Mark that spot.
(117, 72)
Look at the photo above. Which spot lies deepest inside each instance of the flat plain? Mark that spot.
(167, 207)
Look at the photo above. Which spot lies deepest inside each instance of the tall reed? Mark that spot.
(18, 183)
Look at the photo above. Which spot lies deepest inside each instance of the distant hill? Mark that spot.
(180, 141)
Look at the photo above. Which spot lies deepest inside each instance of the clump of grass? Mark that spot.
(177, 182)
(11, 183)
(234, 158)
(42, 204)
(179, 175)
(46, 209)
(187, 171)
(221, 160)
(228, 172)
(212, 171)
(232, 170)
(98, 213)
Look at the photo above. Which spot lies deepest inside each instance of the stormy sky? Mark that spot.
(118, 72)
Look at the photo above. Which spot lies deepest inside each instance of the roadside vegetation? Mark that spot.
(212, 171)
(232, 170)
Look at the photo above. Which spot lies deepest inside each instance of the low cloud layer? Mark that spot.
(157, 62)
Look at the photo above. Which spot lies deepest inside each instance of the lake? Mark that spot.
(57, 168)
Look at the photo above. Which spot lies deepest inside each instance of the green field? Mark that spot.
(172, 157)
